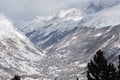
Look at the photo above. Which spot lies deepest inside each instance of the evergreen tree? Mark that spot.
(99, 69)
(109, 73)
(118, 73)
(77, 78)
(16, 77)
(89, 76)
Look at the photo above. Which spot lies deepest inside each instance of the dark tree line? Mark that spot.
(100, 69)
(16, 77)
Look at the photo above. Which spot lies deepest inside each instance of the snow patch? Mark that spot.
(97, 35)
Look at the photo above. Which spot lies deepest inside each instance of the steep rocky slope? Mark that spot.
(17, 54)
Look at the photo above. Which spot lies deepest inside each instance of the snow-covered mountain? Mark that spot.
(17, 54)
(45, 32)
(106, 13)
(69, 57)
(72, 36)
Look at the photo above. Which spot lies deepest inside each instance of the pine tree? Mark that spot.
(77, 78)
(109, 73)
(96, 66)
(112, 72)
(99, 69)
(118, 73)
(16, 77)
(89, 76)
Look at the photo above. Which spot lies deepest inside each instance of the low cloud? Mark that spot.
(28, 9)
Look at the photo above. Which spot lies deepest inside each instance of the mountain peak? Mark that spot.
(70, 14)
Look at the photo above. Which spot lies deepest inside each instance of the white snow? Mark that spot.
(16, 51)
(7, 30)
(71, 14)
(97, 35)
(65, 19)
(83, 65)
(31, 79)
(73, 38)
(101, 14)
(108, 16)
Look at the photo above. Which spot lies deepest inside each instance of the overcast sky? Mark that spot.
(27, 9)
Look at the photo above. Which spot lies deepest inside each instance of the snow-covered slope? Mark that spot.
(45, 32)
(69, 57)
(72, 36)
(17, 54)
(106, 13)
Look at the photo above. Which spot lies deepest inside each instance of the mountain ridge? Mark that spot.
(17, 54)
(96, 13)
(71, 43)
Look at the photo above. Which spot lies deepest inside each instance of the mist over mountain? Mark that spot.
(47, 31)
(59, 46)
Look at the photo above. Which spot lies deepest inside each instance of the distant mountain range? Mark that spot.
(45, 32)
(63, 42)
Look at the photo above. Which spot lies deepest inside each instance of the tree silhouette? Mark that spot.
(100, 69)
(16, 77)
(77, 78)
(118, 72)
